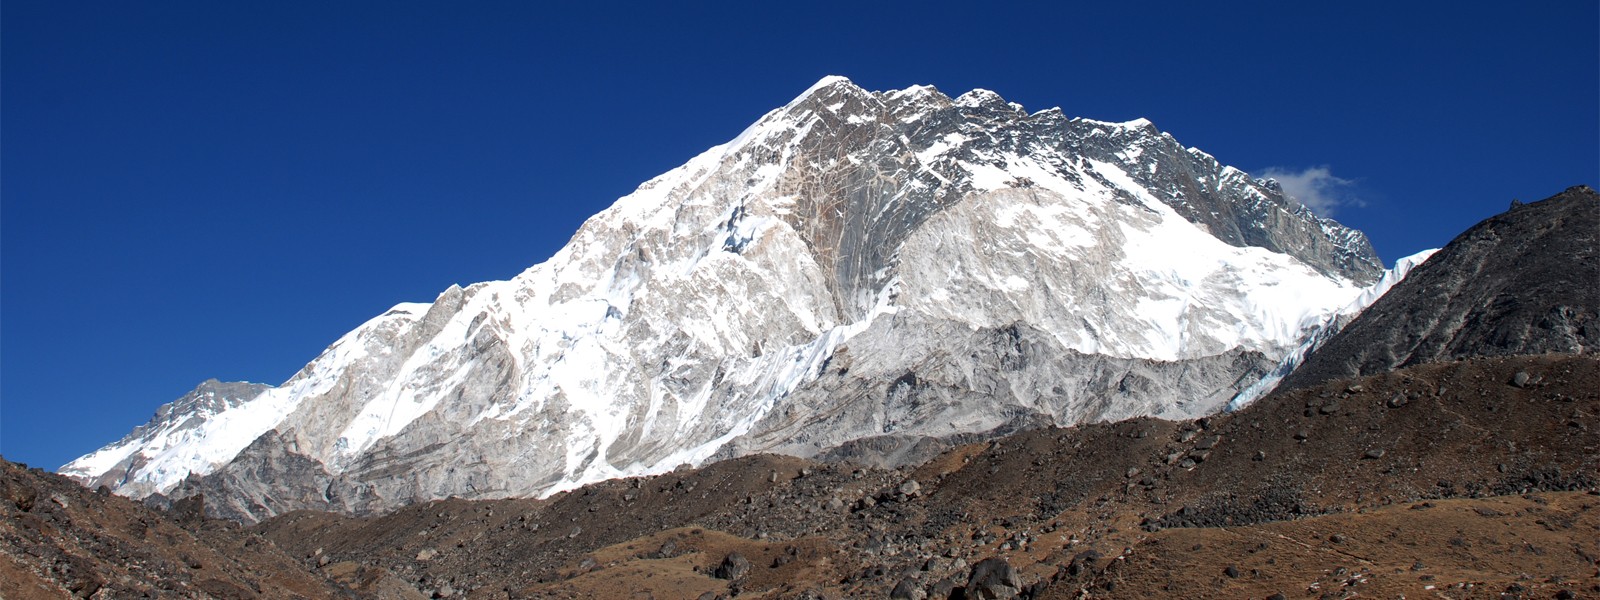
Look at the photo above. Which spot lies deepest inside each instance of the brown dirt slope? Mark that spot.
(59, 540)
(1533, 546)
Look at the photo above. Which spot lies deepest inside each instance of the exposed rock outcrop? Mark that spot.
(1526, 281)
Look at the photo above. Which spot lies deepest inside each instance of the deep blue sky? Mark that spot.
(221, 189)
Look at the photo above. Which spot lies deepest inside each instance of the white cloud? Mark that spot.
(1317, 188)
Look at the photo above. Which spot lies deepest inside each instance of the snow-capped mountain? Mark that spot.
(857, 274)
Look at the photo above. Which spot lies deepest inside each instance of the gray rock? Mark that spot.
(908, 589)
(733, 567)
(668, 549)
(910, 488)
(993, 579)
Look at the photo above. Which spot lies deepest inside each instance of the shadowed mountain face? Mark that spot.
(1526, 281)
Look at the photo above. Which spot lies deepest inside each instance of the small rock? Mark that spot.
(668, 549)
(1302, 435)
(426, 554)
(1396, 401)
(1232, 572)
(1132, 472)
(993, 579)
(1329, 408)
(1373, 454)
(1520, 379)
(1260, 455)
(1278, 596)
(733, 567)
(1082, 562)
(1336, 538)
(908, 589)
(911, 488)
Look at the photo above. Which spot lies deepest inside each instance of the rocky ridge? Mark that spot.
(1526, 281)
(59, 540)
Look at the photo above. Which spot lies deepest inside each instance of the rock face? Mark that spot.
(865, 274)
(1526, 281)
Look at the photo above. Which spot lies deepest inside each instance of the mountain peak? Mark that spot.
(979, 97)
(866, 274)
(830, 84)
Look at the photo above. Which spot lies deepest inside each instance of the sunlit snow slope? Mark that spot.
(857, 274)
